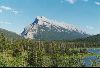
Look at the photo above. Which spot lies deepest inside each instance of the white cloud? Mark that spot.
(4, 22)
(97, 3)
(9, 9)
(5, 8)
(71, 1)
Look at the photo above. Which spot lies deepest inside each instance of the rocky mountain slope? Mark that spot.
(45, 29)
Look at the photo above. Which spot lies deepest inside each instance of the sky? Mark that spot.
(17, 14)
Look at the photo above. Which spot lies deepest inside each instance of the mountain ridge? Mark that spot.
(10, 34)
(45, 29)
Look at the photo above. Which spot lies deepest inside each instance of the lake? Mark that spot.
(88, 60)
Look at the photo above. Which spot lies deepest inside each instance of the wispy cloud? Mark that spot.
(71, 1)
(0, 10)
(85, 0)
(97, 3)
(9, 9)
(15, 12)
(5, 23)
(5, 8)
(89, 27)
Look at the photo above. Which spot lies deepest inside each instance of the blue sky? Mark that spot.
(84, 14)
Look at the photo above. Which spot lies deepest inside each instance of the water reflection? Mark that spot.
(88, 61)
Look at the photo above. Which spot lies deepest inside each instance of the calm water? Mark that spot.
(87, 60)
(97, 51)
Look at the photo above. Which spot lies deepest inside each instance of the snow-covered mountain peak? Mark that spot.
(43, 28)
(41, 18)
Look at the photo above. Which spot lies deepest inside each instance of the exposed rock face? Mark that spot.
(45, 29)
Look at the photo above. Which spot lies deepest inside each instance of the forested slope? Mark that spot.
(9, 34)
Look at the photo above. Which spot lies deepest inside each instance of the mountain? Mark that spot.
(9, 34)
(45, 29)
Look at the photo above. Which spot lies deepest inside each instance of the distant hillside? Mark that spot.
(94, 38)
(10, 34)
